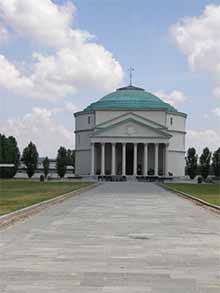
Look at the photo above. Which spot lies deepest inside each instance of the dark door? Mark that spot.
(129, 159)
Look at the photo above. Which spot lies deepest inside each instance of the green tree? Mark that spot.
(204, 161)
(216, 162)
(9, 154)
(30, 159)
(61, 162)
(191, 162)
(71, 158)
(46, 165)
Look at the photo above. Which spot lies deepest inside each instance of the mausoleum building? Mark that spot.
(130, 132)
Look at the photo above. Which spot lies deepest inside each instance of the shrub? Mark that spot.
(61, 162)
(205, 159)
(46, 165)
(30, 159)
(191, 162)
(216, 162)
(41, 178)
(9, 154)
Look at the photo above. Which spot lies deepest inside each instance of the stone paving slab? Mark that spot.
(119, 237)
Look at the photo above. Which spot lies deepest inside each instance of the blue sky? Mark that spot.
(165, 41)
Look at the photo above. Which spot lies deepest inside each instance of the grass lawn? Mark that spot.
(206, 192)
(17, 194)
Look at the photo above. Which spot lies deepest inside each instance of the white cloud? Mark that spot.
(76, 63)
(11, 78)
(67, 107)
(205, 116)
(216, 112)
(4, 35)
(199, 39)
(70, 107)
(216, 92)
(43, 21)
(69, 71)
(174, 98)
(203, 138)
(40, 127)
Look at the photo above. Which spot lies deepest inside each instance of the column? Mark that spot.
(113, 159)
(166, 160)
(135, 160)
(156, 159)
(124, 159)
(146, 159)
(92, 159)
(103, 159)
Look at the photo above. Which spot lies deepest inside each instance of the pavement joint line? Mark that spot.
(21, 214)
(194, 199)
(82, 245)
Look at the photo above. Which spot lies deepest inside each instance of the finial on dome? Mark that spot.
(130, 74)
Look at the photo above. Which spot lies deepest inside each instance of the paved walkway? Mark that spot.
(118, 237)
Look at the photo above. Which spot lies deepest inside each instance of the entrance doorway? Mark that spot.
(129, 158)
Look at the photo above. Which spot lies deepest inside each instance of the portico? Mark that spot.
(129, 158)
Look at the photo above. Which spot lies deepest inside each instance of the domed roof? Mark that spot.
(130, 98)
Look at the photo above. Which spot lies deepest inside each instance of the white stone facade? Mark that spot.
(125, 142)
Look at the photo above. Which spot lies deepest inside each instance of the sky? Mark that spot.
(56, 57)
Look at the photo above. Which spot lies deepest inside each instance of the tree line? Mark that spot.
(202, 165)
(10, 154)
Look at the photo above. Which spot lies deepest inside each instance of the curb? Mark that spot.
(23, 213)
(201, 202)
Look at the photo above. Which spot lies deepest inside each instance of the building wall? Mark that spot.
(177, 141)
(176, 163)
(85, 121)
(173, 121)
(84, 125)
(176, 124)
(82, 140)
(82, 162)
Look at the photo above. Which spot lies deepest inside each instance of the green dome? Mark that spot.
(130, 98)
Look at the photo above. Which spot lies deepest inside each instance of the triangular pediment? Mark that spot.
(134, 116)
(131, 127)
